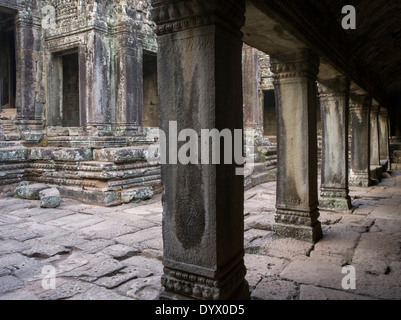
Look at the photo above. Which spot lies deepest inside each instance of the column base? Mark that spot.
(301, 232)
(337, 204)
(179, 284)
(242, 293)
(360, 179)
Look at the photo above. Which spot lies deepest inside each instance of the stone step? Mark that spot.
(85, 142)
(119, 155)
(77, 172)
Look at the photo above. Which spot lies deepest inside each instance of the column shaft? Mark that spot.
(384, 135)
(374, 136)
(297, 200)
(334, 105)
(360, 140)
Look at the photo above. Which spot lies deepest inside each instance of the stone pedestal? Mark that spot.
(200, 88)
(360, 143)
(334, 105)
(297, 199)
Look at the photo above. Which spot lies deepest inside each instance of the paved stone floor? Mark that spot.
(80, 251)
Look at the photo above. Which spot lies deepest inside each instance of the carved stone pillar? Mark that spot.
(200, 87)
(374, 136)
(28, 47)
(253, 111)
(297, 198)
(334, 106)
(384, 135)
(98, 112)
(127, 100)
(360, 140)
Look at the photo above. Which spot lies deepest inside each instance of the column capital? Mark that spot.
(360, 102)
(383, 111)
(178, 15)
(300, 63)
(333, 87)
(375, 109)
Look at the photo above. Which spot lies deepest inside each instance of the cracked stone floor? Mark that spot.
(80, 251)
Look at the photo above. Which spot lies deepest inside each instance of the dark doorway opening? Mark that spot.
(7, 61)
(269, 113)
(71, 114)
(150, 112)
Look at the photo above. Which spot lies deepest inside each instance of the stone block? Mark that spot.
(136, 195)
(73, 154)
(30, 192)
(49, 198)
(119, 155)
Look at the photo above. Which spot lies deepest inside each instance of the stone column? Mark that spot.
(374, 136)
(360, 143)
(384, 134)
(98, 112)
(334, 106)
(297, 198)
(128, 81)
(200, 87)
(25, 68)
(253, 112)
(29, 63)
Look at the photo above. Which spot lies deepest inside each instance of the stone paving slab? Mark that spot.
(116, 253)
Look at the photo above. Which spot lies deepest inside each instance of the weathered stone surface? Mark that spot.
(261, 266)
(143, 289)
(263, 221)
(339, 239)
(153, 265)
(98, 293)
(66, 290)
(17, 233)
(45, 250)
(9, 283)
(140, 236)
(308, 292)
(99, 266)
(286, 248)
(275, 289)
(123, 276)
(30, 192)
(313, 272)
(95, 245)
(50, 198)
(12, 246)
